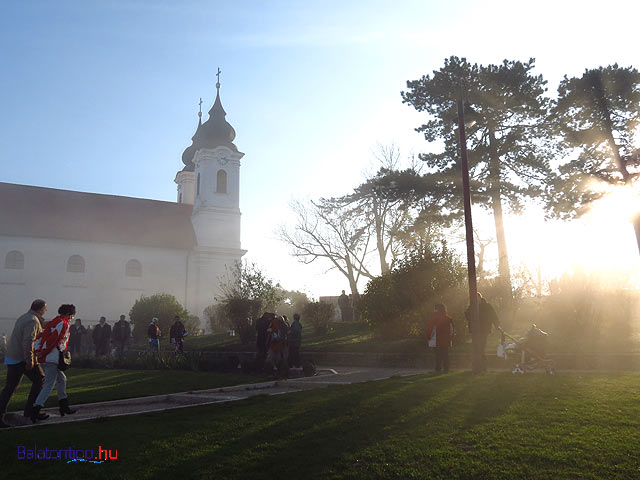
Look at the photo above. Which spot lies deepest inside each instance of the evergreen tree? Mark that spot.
(598, 116)
(508, 148)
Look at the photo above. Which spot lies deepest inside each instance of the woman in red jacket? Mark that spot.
(441, 325)
(47, 347)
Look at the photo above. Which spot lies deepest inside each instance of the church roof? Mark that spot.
(215, 132)
(90, 217)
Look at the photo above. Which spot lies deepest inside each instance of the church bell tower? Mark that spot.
(210, 181)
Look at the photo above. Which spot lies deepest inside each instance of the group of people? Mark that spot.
(36, 350)
(278, 341)
(177, 332)
(104, 338)
(441, 330)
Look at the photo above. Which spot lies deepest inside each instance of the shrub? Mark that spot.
(163, 306)
(397, 303)
(319, 314)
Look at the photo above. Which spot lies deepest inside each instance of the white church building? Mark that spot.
(102, 252)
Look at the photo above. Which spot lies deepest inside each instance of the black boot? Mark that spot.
(36, 415)
(64, 407)
(3, 423)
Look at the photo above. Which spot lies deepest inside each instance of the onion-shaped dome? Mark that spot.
(215, 132)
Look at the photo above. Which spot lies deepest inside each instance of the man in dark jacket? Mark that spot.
(487, 316)
(120, 335)
(295, 340)
(21, 360)
(102, 337)
(75, 337)
(176, 335)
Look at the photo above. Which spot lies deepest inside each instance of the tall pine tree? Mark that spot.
(508, 151)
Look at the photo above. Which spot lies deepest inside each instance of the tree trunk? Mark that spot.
(605, 114)
(355, 296)
(496, 204)
(384, 266)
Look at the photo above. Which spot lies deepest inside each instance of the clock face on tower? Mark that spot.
(223, 160)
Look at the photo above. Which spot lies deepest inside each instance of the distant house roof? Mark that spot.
(28, 211)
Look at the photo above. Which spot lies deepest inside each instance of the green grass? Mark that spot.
(89, 385)
(342, 337)
(495, 426)
(359, 338)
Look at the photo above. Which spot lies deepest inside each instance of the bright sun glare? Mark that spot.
(602, 242)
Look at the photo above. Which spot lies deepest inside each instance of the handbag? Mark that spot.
(64, 360)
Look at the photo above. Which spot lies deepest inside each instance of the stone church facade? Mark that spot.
(102, 252)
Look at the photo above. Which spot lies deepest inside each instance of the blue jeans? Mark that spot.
(52, 375)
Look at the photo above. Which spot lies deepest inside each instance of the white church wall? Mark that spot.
(102, 289)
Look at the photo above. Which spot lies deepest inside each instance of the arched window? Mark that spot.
(221, 185)
(198, 185)
(14, 260)
(75, 264)
(133, 268)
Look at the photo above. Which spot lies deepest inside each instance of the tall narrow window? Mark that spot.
(14, 260)
(75, 264)
(221, 185)
(180, 197)
(133, 268)
(198, 185)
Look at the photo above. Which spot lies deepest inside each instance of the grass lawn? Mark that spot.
(88, 385)
(342, 337)
(495, 426)
(359, 338)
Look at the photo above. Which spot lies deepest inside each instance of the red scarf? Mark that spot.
(53, 335)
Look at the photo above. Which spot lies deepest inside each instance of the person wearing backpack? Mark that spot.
(47, 347)
(154, 334)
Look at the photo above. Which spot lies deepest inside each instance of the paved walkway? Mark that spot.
(132, 406)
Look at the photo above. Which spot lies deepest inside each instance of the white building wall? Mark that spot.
(102, 290)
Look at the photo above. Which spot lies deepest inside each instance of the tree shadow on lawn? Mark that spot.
(356, 429)
(320, 435)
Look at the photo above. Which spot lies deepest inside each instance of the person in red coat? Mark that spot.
(441, 325)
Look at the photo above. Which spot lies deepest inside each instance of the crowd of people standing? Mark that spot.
(278, 341)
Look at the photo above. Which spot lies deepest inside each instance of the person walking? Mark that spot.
(295, 340)
(102, 337)
(154, 334)
(120, 335)
(76, 331)
(176, 335)
(49, 345)
(440, 325)
(487, 317)
(21, 360)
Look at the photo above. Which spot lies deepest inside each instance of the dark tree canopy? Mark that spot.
(597, 116)
(508, 149)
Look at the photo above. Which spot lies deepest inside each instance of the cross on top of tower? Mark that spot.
(200, 111)
(218, 75)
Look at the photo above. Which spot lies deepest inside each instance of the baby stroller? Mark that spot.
(528, 353)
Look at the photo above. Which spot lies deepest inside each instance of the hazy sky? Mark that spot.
(102, 96)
